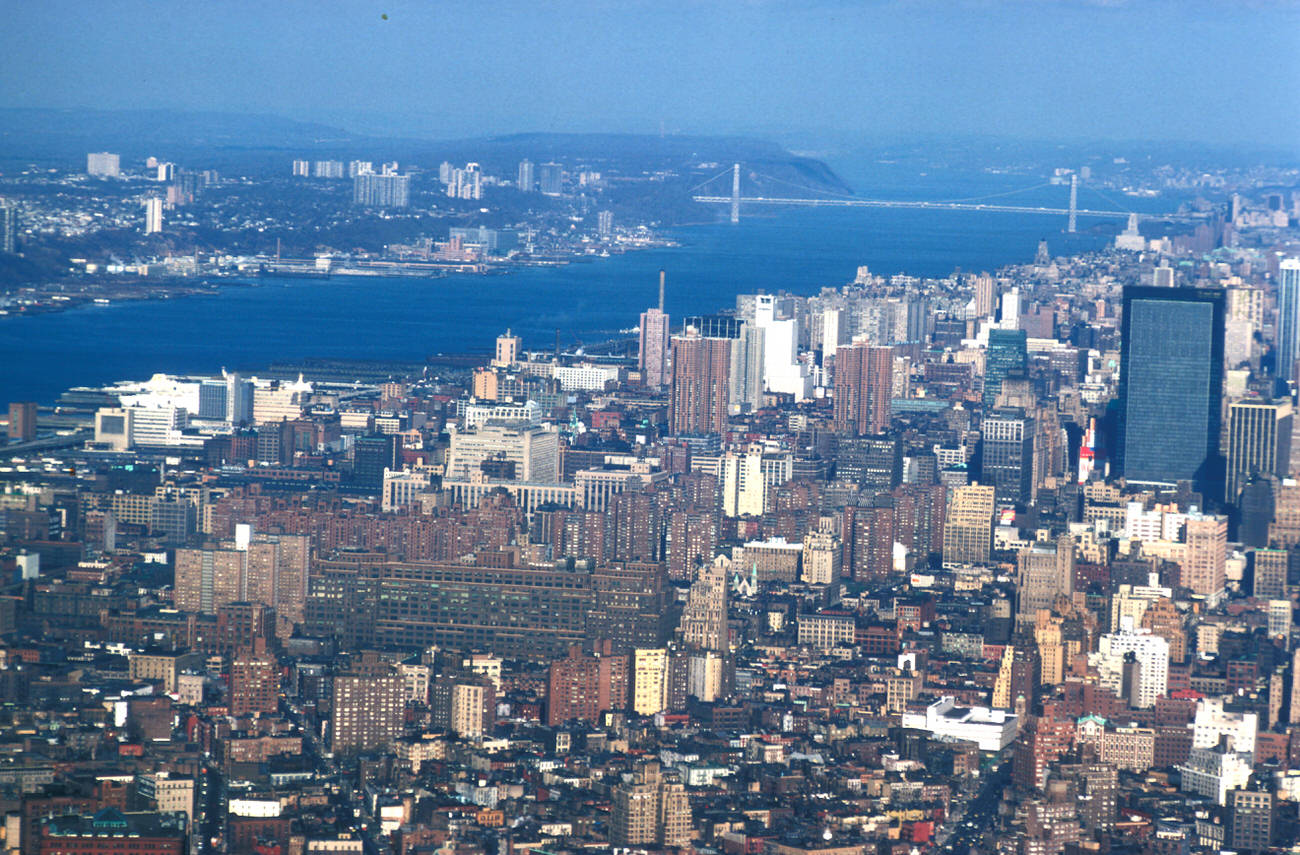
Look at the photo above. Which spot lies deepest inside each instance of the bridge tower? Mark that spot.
(735, 193)
(1073, 224)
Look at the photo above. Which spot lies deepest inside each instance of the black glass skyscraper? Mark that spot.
(1171, 387)
(1007, 355)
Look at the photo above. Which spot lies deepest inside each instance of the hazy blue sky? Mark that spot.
(1206, 70)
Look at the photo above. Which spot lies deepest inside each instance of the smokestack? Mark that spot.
(661, 290)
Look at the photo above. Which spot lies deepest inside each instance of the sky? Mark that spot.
(1211, 71)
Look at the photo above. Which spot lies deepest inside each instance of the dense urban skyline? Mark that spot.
(649, 493)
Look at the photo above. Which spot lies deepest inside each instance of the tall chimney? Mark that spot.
(661, 290)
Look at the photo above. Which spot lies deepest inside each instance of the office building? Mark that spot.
(1007, 455)
(875, 463)
(382, 191)
(328, 169)
(652, 360)
(1270, 569)
(651, 809)
(103, 164)
(463, 703)
(822, 558)
(968, 526)
(582, 688)
(649, 672)
(1215, 771)
(1205, 560)
(989, 729)
(1212, 723)
(8, 227)
(527, 180)
(864, 383)
(1250, 820)
(1134, 664)
(372, 456)
(1256, 507)
(1279, 620)
(701, 387)
(747, 366)
(1006, 356)
(109, 830)
(254, 683)
(214, 397)
(516, 613)
(704, 618)
(465, 183)
(986, 295)
(550, 177)
(1045, 571)
(153, 215)
(166, 793)
(22, 421)
(1259, 442)
(1287, 350)
(1171, 387)
(783, 372)
(368, 707)
(402, 488)
(493, 241)
(302, 169)
(513, 450)
(270, 570)
(122, 428)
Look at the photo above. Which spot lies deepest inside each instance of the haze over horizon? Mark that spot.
(808, 74)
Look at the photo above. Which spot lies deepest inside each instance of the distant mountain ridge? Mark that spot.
(263, 144)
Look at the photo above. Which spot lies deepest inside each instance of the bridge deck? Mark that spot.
(937, 206)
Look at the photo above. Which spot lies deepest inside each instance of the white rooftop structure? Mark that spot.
(990, 729)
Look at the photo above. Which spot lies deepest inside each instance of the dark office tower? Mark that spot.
(1270, 568)
(1259, 442)
(873, 463)
(22, 421)
(1250, 820)
(1006, 355)
(371, 456)
(213, 396)
(701, 384)
(1171, 387)
(550, 179)
(864, 385)
(8, 227)
(1255, 508)
(1007, 456)
(527, 176)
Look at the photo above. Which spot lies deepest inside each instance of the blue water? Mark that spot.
(799, 250)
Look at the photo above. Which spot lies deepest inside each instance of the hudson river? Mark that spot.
(799, 250)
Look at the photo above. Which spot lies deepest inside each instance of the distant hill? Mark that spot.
(255, 144)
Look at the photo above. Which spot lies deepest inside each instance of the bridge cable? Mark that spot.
(933, 202)
(726, 171)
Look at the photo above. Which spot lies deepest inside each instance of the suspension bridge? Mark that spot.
(844, 200)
